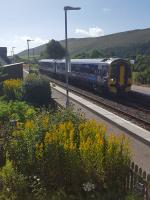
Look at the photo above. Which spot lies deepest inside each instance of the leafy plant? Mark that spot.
(15, 111)
(13, 184)
(63, 146)
(12, 89)
(37, 90)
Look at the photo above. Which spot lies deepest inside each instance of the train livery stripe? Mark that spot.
(122, 71)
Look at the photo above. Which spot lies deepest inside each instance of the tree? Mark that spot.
(96, 54)
(54, 50)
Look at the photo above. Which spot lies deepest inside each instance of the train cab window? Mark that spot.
(104, 70)
(129, 71)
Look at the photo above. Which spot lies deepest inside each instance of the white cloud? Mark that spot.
(106, 10)
(20, 43)
(92, 32)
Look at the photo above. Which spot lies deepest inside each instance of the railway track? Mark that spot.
(126, 108)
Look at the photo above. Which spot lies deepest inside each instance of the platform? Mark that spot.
(120, 122)
(141, 89)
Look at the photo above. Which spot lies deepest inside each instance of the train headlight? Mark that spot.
(112, 81)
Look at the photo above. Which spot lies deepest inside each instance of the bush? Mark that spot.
(37, 90)
(13, 185)
(19, 111)
(67, 152)
(12, 89)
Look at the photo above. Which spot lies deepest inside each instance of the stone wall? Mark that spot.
(12, 71)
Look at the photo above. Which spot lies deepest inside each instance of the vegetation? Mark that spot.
(50, 151)
(125, 44)
(53, 50)
(37, 90)
(12, 89)
(91, 54)
(141, 70)
(34, 89)
(57, 154)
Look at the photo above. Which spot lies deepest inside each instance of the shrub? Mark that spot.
(13, 184)
(15, 111)
(13, 89)
(70, 153)
(37, 90)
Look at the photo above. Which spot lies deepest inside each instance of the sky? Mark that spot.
(43, 20)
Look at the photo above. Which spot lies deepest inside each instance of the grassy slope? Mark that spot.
(129, 39)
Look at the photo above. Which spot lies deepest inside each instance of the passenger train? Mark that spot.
(112, 75)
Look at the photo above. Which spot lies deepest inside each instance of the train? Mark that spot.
(112, 75)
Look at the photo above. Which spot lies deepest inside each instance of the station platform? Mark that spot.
(124, 124)
(141, 89)
(139, 139)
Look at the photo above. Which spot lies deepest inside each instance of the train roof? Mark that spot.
(89, 61)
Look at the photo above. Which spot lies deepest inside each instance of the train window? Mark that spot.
(45, 64)
(75, 68)
(60, 66)
(93, 68)
(84, 68)
(51, 65)
(114, 71)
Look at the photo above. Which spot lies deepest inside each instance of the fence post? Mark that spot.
(148, 187)
(132, 176)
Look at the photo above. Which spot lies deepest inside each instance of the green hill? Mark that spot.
(119, 44)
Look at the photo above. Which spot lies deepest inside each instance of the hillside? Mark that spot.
(118, 44)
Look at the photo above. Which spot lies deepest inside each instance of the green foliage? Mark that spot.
(126, 44)
(133, 196)
(12, 89)
(90, 54)
(61, 147)
(37, 90)
(13, 184)
(142, 70)
(37, 189)
(96, 54)
(15, 111)
(54, 50)
(18, 59)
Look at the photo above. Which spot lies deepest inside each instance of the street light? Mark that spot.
(66, 8)
(12, 54)
(28, 54)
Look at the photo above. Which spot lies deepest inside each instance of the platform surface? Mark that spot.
(141, 89)
(140, 150)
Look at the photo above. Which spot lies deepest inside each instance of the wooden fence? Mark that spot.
(138, 181)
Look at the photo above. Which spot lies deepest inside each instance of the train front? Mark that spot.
(120, 76)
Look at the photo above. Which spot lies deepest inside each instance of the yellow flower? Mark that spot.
(29, 124)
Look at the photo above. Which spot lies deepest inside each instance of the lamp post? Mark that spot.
(28, 54)
(12, 52)
(66, 8)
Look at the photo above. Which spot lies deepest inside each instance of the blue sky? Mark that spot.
(43, 20)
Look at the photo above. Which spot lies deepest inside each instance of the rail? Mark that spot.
(117, 108)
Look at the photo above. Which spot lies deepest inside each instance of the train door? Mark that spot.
(121, 78)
